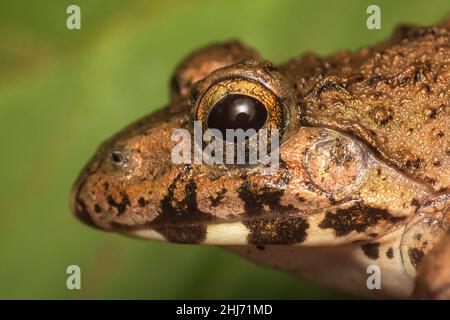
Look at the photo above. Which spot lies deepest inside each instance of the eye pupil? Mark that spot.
(237, 111)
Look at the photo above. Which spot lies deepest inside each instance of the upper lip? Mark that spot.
(237, 218)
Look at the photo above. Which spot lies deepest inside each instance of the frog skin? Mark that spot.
(363, 180)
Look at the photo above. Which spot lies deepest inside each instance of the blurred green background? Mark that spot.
(63, 92)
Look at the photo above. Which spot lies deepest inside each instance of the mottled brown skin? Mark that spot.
(364, 166)
(383, 94)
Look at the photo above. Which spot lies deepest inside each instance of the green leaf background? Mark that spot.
(63, 92)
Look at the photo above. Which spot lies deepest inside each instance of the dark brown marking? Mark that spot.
(120, 206)
(426, 87)
(331, 86)
(378, 78)
(284, 227)
(386, 120)
(142, 202)
(83, 214)
(277, 230)
(432, 113)
(180, 220)
(417, 163)
(415, 202)
(415, 256)
(412, 163)
(371, 250)
(219, 196)
(356, 218)
(97, 208)
(390, 253)
(381, 116)
(417, 75)
(402, 81)
(184, 234)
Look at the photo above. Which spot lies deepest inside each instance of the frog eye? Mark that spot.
(237, 111)
(247, 95)
(240, 104)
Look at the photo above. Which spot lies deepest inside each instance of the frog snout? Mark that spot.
(77, 204)
(82, 194)
(123, 186)
(117, 187)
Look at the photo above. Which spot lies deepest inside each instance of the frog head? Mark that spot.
(316, 185)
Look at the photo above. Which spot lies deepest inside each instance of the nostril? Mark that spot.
(117, 157)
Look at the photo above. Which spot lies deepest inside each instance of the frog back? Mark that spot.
(394, 96)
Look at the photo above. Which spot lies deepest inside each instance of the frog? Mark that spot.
(362, 186)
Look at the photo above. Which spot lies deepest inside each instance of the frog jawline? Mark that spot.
(240, 218)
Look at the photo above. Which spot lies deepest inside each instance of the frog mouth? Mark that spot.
(236, 230)
(346, 224)
(213, 221)
(279, 214)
